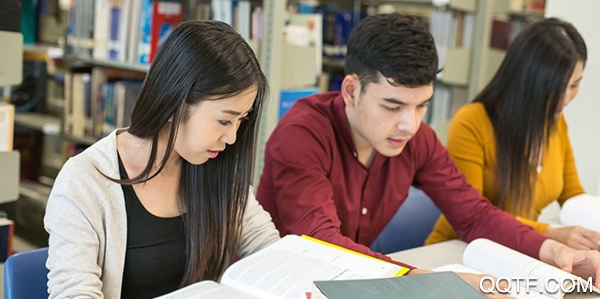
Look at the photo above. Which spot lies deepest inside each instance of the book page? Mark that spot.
(495, 259)
(207, 290)
(581, 210)
(287, 268)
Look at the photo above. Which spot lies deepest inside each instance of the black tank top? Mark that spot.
(155, 257)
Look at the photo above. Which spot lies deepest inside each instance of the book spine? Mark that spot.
(243, 19)
(101, 21)
(114, 48)
(145, 32)
(7, 119)
(166, 16)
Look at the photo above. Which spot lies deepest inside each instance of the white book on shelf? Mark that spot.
(223, 11)
(243, 21)
(134, 24)
(68, 107)
(101, 26)
(441, 25)
(7, 122)
(468, 30)
(78, 117)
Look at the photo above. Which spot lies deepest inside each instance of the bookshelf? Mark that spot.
(468, 64)
(49, 125)
(582, 113)
(453, 25)
(277, 59)
(485, 59)
(271, 62)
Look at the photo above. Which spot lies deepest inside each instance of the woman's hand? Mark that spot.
(575, 237)
(583, 263)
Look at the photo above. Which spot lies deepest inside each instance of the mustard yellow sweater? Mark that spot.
(472, 146)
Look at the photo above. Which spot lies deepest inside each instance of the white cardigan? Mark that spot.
(87, 223)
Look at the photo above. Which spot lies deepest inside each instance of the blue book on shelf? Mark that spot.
(145, 26)
(288, 97)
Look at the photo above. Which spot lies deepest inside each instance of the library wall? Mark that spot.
(582, 113)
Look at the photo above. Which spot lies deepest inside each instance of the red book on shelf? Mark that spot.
(165, 17)
(536, 5)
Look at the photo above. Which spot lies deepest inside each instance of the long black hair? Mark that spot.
(199, 61)
(521, 101)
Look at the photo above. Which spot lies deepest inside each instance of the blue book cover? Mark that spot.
(288, 97)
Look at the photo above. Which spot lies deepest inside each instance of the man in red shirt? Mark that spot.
(339, 164)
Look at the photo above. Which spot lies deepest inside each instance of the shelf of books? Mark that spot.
(88, 77)
(452, 24)
(505, 19)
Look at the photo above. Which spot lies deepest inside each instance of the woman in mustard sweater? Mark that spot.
(512, 142)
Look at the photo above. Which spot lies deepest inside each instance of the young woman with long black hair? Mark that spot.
(166, 202)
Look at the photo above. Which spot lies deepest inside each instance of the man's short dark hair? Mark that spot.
(396, 46)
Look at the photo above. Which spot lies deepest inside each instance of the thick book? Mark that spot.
(581, 210)
(101, 29)
(119, 15)
(527, 277)
(447, 285)
(287, 269)
(165, 17)
(7, 122)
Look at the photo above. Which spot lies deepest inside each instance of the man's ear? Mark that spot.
(350, 89)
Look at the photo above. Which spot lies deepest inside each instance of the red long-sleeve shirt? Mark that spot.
(313, 184)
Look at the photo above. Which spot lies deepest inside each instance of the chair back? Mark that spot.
(410, 226)
(26, 275)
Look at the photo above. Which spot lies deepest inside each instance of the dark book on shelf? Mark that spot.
(7, 228)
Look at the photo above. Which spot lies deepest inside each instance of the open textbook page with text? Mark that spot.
(287, 268)
(207, 290)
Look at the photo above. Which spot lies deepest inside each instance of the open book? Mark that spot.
(544, 281)
(581, 210)
(287, 269)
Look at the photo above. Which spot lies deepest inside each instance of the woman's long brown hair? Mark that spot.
(521, 101)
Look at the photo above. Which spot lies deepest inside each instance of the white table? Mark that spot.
(432, 256)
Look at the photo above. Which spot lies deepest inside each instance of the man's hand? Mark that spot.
(583, 263)
(575, 236)
(474, 280)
